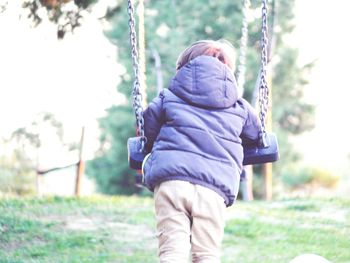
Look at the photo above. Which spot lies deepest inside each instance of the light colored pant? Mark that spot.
(189, 218)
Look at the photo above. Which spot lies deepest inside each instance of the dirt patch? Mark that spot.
(120, 231)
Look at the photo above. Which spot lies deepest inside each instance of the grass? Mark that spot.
(122, 229)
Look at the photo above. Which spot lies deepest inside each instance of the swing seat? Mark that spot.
(135, 153)
(258, 154)
(253, 154)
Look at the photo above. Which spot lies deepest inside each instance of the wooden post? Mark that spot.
(81, 166)
(39, 179)
(267, 174)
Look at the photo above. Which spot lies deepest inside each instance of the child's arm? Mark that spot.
(154, 118)
(252, 126)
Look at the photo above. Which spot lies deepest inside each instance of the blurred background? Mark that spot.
(66, 81)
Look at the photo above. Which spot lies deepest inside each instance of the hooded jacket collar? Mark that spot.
(205, 82)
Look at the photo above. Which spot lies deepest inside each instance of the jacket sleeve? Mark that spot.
(154, 119)
(252, 126)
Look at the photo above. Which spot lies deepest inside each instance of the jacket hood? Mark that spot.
(205, 82)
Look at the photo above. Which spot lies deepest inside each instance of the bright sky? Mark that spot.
(323, 34)
(76, 78)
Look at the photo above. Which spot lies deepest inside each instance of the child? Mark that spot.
(195, 131)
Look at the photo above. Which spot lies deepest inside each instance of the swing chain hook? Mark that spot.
(263, 87)
(136, 92)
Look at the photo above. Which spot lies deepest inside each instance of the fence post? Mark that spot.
(81, 166)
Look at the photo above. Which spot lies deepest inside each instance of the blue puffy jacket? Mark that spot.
(195, 129)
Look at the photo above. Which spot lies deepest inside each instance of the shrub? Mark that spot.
(309, 176)
(16, 176)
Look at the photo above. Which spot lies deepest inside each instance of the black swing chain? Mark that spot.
(136, 93)
(263, 87)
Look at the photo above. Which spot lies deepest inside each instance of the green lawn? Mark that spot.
(121, 229)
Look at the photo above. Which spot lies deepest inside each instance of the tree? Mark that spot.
(171, 26)
(16, 171)
(19, 167)
(110, 167)
(66, 14)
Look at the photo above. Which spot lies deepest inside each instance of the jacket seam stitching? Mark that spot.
(205, 131)
(227, 163)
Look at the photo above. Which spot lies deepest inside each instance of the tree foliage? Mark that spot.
(110, 167)
(170, 27)
(66, 14)
(18, 169)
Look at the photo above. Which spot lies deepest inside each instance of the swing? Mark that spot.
(263, 151)
(266, 149)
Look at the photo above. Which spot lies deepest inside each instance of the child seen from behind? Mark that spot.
(195, 130)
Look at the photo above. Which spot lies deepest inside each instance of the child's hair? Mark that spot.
(220, 49)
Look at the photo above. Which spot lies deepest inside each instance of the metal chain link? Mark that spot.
(136, 92)
(241, 69)
(263, 87)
